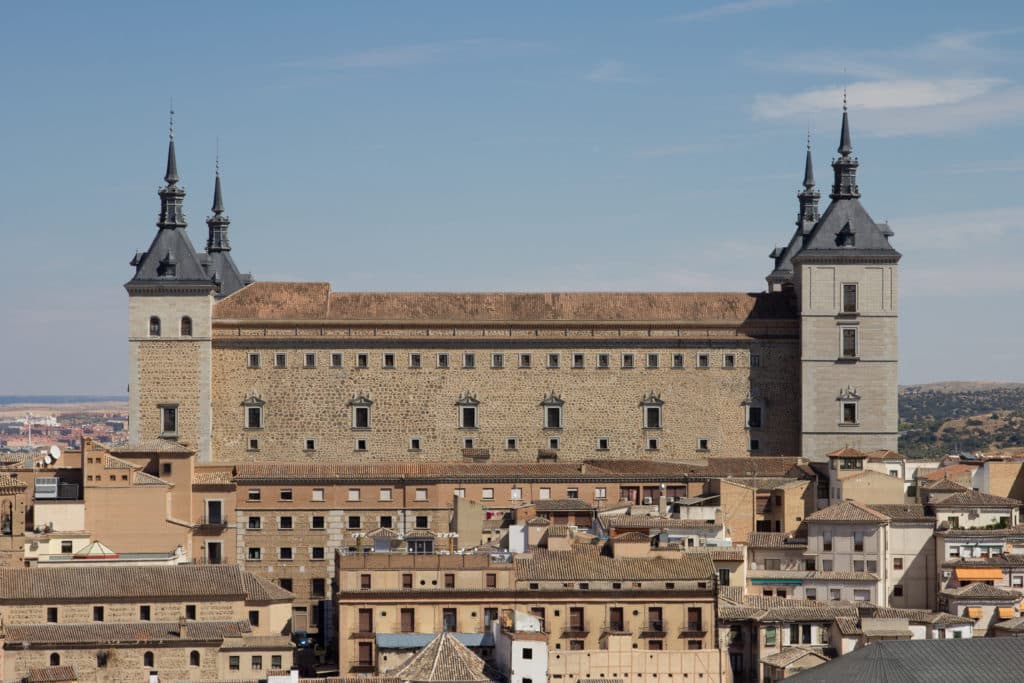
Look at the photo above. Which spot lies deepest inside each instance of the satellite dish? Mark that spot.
(48, 459)
(55, 452)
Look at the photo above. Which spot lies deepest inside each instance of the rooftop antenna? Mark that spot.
(55, 452)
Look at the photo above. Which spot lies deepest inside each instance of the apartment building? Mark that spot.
(121, 623)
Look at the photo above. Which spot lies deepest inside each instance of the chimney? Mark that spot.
(182, 627)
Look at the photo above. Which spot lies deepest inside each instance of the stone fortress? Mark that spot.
(277, 371)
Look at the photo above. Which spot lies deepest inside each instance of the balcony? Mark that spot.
(614, 628)
(653, 629)
(692, 630)
(212, 521)
(576, 630)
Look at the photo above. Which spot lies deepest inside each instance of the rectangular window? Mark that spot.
(407, 581)
(469, 360)
(317, 522)
(285, 553)
(516, 494)
(234, 662)
(254, 495)
(811, 593)
(285, 523)
(553, 443)
(467, 443)
(578, 360)
(826, 565)
(628, 361)
(491, 580)
(861, 595)
(755, 360)
(572, 493)
(872, 566)
(755, 444)
(849, 349)
(850, 298)
(488, 494)
(449, 580)
(652, 444)
(97, 613)
(336, 360)
(355, 522)
(511, 443)
(834, 594)
(600, 493)
(702, 444)
(386, 522)
(460, 492)
(553, 361)
(317, 496)
(677, 360)
(703, 360)
(422, 522)
(525, 360)
(858, 565)
(421, 495)
(280, 360)
(360, 444)
(384, 494)
(442, 360)
(603, 361)
(826, 540)
(388, 361)
(169, 420)
(275, 662)
(545, 493)
(254, 360)
(362, 360)
(353, 495)
(51, 615)
(729, 360)
(653, 361)
(897, 563)
(253, 417)
(415, 361)
(257, 662)
(286, 494)
(317, 588)
(497, 360)
(254, 444)
(849, 413)
(144, 613)
(754, 417)
(602, 443)
(858, 541)
(254, 617)
(309, 360)
(553, 417)
(467, 417)
(652, 417)
(414, 444)
(361, 417)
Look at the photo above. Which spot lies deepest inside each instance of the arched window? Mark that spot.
(186, 326)
(154, 326)
(147, 659)
(193, 658)
(54, 659)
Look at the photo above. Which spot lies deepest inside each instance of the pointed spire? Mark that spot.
(844, 167)
(171, 196)
(845, 146)
(808, 165)
(808, 197)
(218, 201)
(171, 176)
(218, 223)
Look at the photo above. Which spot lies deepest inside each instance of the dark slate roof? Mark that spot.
(222, 269)
(870, 240)
(979, 660)
(170, 244)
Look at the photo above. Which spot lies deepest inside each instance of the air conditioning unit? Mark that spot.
(647, 500)
(46, 487)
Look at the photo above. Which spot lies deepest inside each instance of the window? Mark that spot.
(628, 361)
(826, 540)
(336, 360)
(148, 659)
(578, 360)
(897, 563)
(384, 495)
(317, 496)
(169, 420)
(143, 612)
(421, 494)
(54, 659)
(460, 492)
(897, 590)
(355, 522)
(51, 615)
(286, 494)
(554, 361)
(858, 565)
(858, 541)
(826, 565)
(385, 522)
(729, 360)
(407, 581)
(527, 653)
(254, 444)
(234, 663)
(186, 326)
(511, 443)
(600, 492)
(553, 443)
(362, 360)
(353, 495)
(702, 444)
(318, 588)
(254, 360)
(154, 326)
(388, 361)
(469, 361)
(415, 361)
(275, 662)
(677, 361)
(516, 493)
(66, 547)
(491, 580)
(755, 444)
(422, 522)
(309, 360)
(602, 443)
(101, 659)
(360, 444)
(467, 417)
(653, 361)
(255, 523)
(861, 595)
(285, 523)
(754, 416)
(254, 617)
(449, 580)
(849, 342)
(544, 493)
(97, 613)
(280, 360)
(834, 594)
(603, 361)
(497, 360)
(652, 416)
(442, 360)
(365, 582)
(254, 417)
(850, 298)
(525, 360)
(414, 443)
(310, 444)
(553, 417)
(488, 494)
(652, 444)
(755, 360)
(257, 662)
(769, 636)
(361, 417)
(286, 553)
(703, 360)
(849, 415)
(811, 594)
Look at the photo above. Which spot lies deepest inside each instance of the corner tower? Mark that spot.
(781, 277)
(170, 305)
(845, 277)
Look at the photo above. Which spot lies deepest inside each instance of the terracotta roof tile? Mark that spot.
(974, 499)
(981, 591)
(563, 505)
(771, 539)
(52, 674)
(632, 537)
(125, 632)
(153, 446)
(847, 452)
(9, 484)
(792, 654)
(847, 511)
(584, 564)
(443, 660)
(904, 513)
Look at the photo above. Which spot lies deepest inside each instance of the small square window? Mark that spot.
(467, 442)
(578, 360)
(310, 444)
(360, 444)
(652, 361)
(516, 494)
(422, 522)
(309, 360)
(317, 495)
(525, 360)
(554, 361)
(703, 360)
(497, 360)
(628, 361)
(280, 360)
(511, 443)
(678, 360)
(254, 360)
(255, 554)
(729, 360)
(414, 444)
(254, 495)
(317, 552)
(286, 494)
(165, 468)
(702, 444)
(317, 522)
(755, 444)
(488, 494)
(572, 493)
(602, 444)
(254, 444)
(388, 360)
(442, 360)
(652, 444)
(362, 360)
(553, 443)
(336, 360)
(355, 522)
(386, 522)
(285, 523)
(285, 553)
(469, 361)
(415, 361)
(600, 492)
(603, 361)
(421, 494)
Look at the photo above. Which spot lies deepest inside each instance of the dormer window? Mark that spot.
(846, 237)
(154, 326)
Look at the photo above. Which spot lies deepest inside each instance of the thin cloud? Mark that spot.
(607, 71)
(417, 54)
(731, 8)
(959, 230)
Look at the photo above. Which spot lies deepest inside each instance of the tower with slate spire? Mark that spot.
(170, 306)
(219, 264)
(781, 277)
(844, 275)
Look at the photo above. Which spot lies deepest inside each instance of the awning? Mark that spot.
(1007, 613)
(973, 612)
(978, 574)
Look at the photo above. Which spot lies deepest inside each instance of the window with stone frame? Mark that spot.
(154, 326)
(651, 405)
(497, 361)
(552, 405)
(186, 326)
(849, 297)
(849, 342)
(604, 361)
(169, 420)
(361, 405)
(415, 361)
(468, 406)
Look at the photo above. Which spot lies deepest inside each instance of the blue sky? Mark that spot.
(523, 146)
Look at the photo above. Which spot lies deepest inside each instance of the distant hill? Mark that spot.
(58, 399)
(948, 417)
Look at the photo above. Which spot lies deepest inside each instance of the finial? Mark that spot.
(808, 166)
(844, 98)
(217, 163)
(171, 119)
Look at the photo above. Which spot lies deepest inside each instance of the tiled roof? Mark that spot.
(812, 575)
(381, 532)
(772, 539)
(538, 521)
(260, 589)
(793, 654)
(944, 485)
(563, 505)
(183, 581)
(848, 626)
(1015, 625)
(875, 627)
(918, 616)
(884, 455)
(632, 537)
(904, 513)
(585, 564)
(847, 452)
(443, 660)
(125, 632)
(847, 511)
(1014, 532)
(949, 472)
(9, 484)
(315, 301)
(559, 531)
(143, 479)
(981, 591)
(975, 499)
(654, 522)
(767, 483)
(153, 446)
(214, 478)
(754, 467)
(52, 674)
(112, 463)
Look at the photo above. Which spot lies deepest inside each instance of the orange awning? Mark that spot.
(1007, 613)
(978, 574)
(974, 612)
